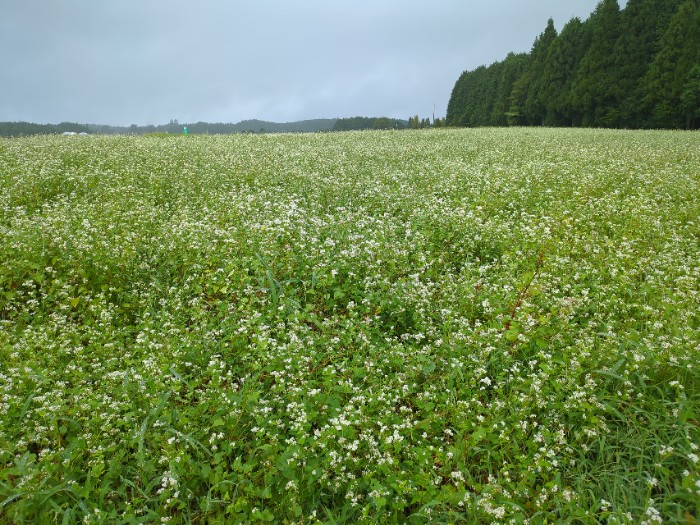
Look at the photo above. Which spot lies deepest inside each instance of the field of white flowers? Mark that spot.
(449, 326)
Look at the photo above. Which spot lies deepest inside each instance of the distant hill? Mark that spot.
(301, 126)
(360, 123)
(14, 129)
(220, 128)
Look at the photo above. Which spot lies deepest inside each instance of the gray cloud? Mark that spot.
(135, 61)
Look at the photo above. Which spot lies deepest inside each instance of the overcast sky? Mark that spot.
(125, 62)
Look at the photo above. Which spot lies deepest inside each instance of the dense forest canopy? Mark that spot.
(637, 67)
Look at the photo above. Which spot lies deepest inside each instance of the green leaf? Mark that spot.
(430, 367)
(264, 515)
(478, 435)
(97, 469)
(512, 334)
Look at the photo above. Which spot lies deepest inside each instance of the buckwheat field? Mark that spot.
(439, 326)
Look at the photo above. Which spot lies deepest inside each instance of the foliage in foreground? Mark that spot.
(447, 326)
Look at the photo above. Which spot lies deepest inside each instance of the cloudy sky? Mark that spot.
(148, 61)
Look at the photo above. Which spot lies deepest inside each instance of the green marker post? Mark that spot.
(185, 132)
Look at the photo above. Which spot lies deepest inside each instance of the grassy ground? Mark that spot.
(458, 326)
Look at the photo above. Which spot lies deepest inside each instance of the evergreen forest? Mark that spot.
(637, 67)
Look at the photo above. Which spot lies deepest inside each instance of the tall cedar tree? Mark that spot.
(671, 80)
(595, 91)
(458, 101)
(513, 68)
(518, 96)
(537, 90)
(634, 51)
(690, 98)
(474, 96)
(562, 63)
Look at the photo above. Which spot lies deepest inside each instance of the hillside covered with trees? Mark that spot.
(360, 123)
(14, 129)
(637, 67)
(18, 129)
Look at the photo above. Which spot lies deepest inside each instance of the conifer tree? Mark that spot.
(671, 74)
(512, 69)
(559, 74)
(595, 91)
(518, 96)
(537, 89)
(690, 98)
(634, 52)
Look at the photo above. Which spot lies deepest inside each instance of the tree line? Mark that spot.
(637, 67)
(14, 129)
(362, 123)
